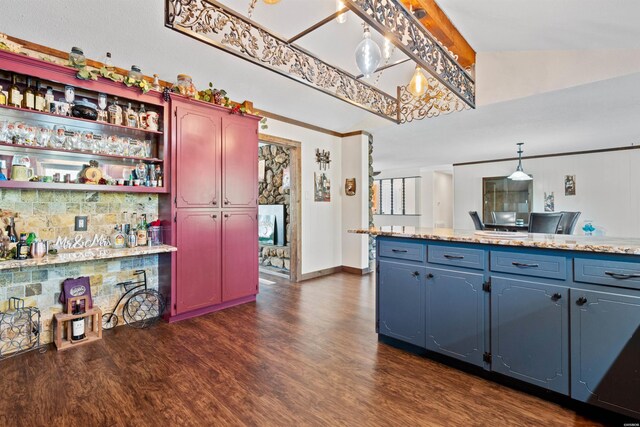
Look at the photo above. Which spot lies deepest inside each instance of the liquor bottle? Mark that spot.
(22, 248)
(142, 117)
(3, 97)
(41, 102)
(15, 96)
(29, 98)
(119, 239)
(11, 231)
(48, 99)
(141, 232)
(77, 325)
(132, 117)
(159, 175)
(115, 112)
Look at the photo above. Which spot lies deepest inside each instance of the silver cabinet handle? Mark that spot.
(622, 276)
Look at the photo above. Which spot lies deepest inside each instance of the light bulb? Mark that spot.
(419, 84)
(386, 50)
(367, 55)
(342, 18)
(271, 1)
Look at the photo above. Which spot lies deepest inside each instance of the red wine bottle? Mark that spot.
(77, 325)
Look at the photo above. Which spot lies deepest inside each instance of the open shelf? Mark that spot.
(28, 185)
(56, 119)
(34, 149)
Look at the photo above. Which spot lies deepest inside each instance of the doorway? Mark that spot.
(279, 195)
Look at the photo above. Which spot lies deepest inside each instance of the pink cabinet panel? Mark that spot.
(240, 254)
(198, 259)
(239, 162)
(198, 131)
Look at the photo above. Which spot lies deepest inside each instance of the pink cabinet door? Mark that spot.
(197, 156)
(239, 254)
(239, 162)
(198, 259)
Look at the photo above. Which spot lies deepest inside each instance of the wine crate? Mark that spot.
(62, 321)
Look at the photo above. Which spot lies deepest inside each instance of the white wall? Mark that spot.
(355, 209)
(607, 189)
(442, 200)
(321, 221)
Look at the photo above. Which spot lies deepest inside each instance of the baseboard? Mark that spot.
(333, 270)
(354, 270)
(211, 309)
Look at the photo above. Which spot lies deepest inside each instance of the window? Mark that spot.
(396, 196)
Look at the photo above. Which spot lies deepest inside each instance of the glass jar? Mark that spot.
(185, 86)
(76, 58)
(135, 72)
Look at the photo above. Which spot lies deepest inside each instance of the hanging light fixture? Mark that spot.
(271, 1)
(367, 54)
(342, 18)
(419, 84)
(519, 174)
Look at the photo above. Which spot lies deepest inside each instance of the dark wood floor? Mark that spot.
(304, 354)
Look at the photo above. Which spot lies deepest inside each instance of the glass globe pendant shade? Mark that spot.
(271, 1)
(519, 174)
(419, 84)
(368, 55)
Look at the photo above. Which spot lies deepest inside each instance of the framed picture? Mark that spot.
(569, 185)
(350, 186)
(549, 202)
(261, 164)
(321, 187)
(266, 229)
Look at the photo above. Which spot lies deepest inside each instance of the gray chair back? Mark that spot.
(503, 218)
(477, 222)
(544, 222)
(568, 222)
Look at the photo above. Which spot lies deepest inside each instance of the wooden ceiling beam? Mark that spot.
(438, 24)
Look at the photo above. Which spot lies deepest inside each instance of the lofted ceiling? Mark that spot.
(597, 114)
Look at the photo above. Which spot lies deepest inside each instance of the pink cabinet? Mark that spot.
(240, 254)
(197, 132)
(214, 206)
(198, 259)
(239, 162)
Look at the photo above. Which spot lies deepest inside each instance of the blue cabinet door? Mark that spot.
(455, 314)
(605, 350)
(530, 332)
(401, 295)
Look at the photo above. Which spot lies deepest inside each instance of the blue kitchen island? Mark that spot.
(560, 312)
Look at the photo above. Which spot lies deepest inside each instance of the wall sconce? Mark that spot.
(323, 159)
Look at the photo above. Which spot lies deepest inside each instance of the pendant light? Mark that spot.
(271, 1)
(419, 84)
(519, 174)
(342, 18)
(367, 54)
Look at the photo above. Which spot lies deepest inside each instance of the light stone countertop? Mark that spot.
(86, 255)
(597, 244)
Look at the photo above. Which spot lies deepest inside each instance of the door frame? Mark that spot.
(295, 198)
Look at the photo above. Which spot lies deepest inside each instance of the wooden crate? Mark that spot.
(63, 320)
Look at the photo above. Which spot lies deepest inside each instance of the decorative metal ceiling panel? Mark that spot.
(212, 23)
(391, 18)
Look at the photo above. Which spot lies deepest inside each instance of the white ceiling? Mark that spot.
(594, 115)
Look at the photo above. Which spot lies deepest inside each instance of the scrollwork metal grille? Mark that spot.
(437, 100)
(214, 24)
(19, 329)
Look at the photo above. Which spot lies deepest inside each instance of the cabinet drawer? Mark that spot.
(461, 257)
(549, 266)
(410, 251)
(603, 272)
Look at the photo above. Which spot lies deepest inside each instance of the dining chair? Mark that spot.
(477, 222)
(568, 222)
(543, 222)
(504, 218)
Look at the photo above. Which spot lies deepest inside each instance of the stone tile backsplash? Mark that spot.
(51, 213)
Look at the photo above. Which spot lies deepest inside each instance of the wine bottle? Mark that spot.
(15, 96)
(3, 97)
(40, 103)
(11, 231)
(49, 99)
(29, 98)
(77, 325)
(142, 231)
